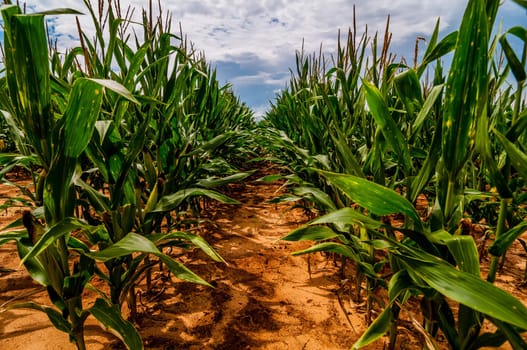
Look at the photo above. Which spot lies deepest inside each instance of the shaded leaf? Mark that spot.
(172, 201)
(504, 241)
(311, 233)
(111, 319)
(377, 329)
(376, 198)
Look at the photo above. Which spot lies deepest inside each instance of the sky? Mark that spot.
(252, 44)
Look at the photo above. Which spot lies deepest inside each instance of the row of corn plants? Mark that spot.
(124, 136)
(365, 135)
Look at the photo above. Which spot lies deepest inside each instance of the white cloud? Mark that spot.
(274, 28)
(261, 37)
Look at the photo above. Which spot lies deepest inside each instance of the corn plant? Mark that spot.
(170, 162)
(57, 144)
(434, 142)
(106, 190)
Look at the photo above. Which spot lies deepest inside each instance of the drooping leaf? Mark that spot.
(377, 329)
(331, 247)
(54, 316)
(33, 265)
(446, 45)
(60, 229)
(464, 287)
(518, 158)
(134, 243)
(504, 241)
(347, 216)
(58, 11)
(198, 241)
(117, 88)
(518, 70)
(172, 201)
(316, 195)
(217, 181)
(376, 198)
(112, 320)
(311, 233)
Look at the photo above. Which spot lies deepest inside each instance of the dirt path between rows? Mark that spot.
(264, 298)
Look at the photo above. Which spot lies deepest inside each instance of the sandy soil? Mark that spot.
(264, 298)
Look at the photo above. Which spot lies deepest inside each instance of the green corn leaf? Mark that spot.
(116, 87)
(518, 70)
(198, 241)
(399, 283)
(432, 40)
(134, 243)
(111, 319)
(60, 229)
(172, 201)
(331, 247)
(97, 199)
(464, 288)
(351, 165)
(316, 195)
(216, 181)
(311, 233)
(377, 329)
(79, 119)
(519, 127)
(181, 271)
(522, 3)
(425, 111)
(12, 236)
(58, 11)
(54, 316)
(447, 323)
(213, 144)
(504, 241)
(28, 77)
(131, 243)
(33, 265)
(518, 158)
(465, 252)
(446, 45)
(465, 89)
(428, 168)
(408, 89)
(347, 216)
(102, 127)
(376, 198)
(390, 130)
(483, 143)
(271, 178)
(491, 340)
(512, 334)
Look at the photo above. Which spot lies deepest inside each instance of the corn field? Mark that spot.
(129, 136)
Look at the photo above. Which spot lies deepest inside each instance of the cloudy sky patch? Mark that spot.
(252, 43)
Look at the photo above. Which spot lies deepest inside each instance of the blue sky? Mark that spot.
(252, 44)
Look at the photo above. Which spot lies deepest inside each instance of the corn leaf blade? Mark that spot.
(111, 318)
(465, 288)
(376, 198)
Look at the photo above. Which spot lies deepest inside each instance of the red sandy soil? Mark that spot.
(264, 298)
